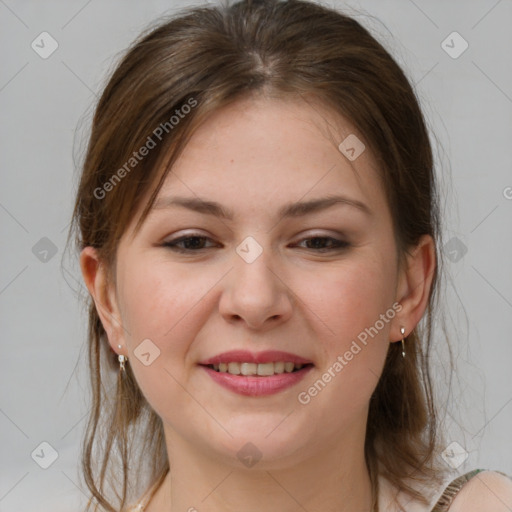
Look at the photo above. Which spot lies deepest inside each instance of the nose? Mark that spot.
(255, 293)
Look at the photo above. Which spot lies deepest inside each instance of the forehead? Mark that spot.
(258, 154)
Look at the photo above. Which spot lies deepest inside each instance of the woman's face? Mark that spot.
(318, 284)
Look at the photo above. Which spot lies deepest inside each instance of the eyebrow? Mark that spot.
(297, 209)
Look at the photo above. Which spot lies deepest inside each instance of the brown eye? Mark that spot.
(319, 245)
(192, 243)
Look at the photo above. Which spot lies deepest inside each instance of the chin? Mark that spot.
(266, 446)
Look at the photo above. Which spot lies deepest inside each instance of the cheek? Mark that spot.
(157, 298)
(350, 298)
(168, 306)
(353, 311)
(159, 310)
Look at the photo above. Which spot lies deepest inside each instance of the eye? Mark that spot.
(195, 243)
(193, 246)
(333, 243)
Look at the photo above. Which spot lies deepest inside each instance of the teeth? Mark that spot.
(234, 368)
(249, 368)
(265, 369)
(288, 367)
(261, 369)
(278, 367)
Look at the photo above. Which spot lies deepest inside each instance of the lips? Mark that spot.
(257, 374)
(244, 356)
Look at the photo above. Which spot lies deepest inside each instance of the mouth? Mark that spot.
(258, 369)
(257, 374)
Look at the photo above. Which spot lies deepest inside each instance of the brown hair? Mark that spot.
(206, 58)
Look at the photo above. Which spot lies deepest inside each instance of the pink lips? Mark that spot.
(244, 356)
(256, 385)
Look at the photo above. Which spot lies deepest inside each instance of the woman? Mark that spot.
(259, 232)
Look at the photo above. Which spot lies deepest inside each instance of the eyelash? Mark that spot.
(172, 244)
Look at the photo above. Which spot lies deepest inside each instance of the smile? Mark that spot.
(259, 384)
(256, 374)
(261, 369)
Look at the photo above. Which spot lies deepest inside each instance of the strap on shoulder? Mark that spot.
(451, 490)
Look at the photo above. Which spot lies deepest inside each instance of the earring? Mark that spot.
(402, 330)
(122, 359)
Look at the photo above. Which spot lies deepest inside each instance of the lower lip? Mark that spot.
(258, 386)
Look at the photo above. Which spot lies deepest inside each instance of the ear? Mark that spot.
(414, 286)
(95, 276)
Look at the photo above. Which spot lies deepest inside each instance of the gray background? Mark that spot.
(46, 106)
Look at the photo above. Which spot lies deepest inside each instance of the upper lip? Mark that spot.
(244, 356)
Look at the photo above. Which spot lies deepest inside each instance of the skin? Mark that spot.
(254, 157)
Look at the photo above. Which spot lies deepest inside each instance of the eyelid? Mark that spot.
(178, 239)
(339, 241)
(299, 237)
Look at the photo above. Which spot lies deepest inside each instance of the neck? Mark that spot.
(334, 479)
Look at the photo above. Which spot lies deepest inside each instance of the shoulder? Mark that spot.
(487, 490)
